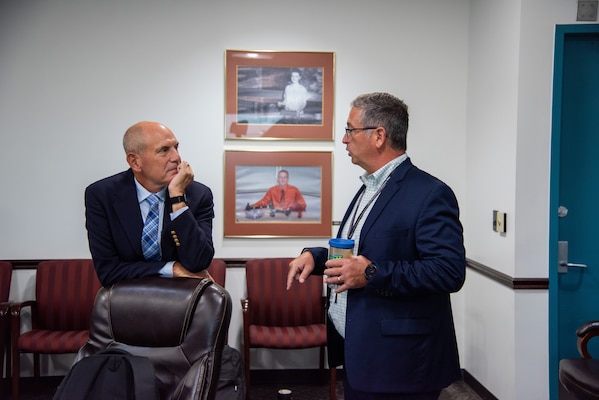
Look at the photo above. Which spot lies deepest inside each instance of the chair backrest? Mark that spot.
(65, 291)
(5, 278)
(181, 324)
(218, 270)
(272, 304)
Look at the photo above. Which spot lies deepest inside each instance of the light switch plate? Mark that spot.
(500, 220)
(495, 220)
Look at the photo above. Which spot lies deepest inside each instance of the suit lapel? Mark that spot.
(127, 210)
(386, 196)
(349, 209)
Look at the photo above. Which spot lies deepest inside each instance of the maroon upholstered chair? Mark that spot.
(277, 318)
(5, 279)
(65, 291)
(218, 270)
(580, 376)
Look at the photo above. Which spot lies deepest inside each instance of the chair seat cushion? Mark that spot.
(580, 376)
(52, 342)
(288, 337)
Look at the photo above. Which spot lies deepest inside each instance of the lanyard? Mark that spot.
(354, 221)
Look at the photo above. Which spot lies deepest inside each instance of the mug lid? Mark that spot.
(341, 243)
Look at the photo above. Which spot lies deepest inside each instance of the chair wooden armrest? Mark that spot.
(585, 333)
(245, 312)
(245, 303)
(245, 309)
(15, 313)
(5, 339)
(5, 308)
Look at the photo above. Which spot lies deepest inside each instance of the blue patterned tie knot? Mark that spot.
(149, 235)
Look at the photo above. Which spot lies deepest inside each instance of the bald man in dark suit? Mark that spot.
(115, 210)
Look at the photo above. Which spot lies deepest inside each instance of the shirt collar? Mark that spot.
(378, 177)
(143, 193)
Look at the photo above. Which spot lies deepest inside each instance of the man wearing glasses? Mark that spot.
(389, 320)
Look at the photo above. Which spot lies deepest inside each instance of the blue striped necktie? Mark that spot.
(149, 235)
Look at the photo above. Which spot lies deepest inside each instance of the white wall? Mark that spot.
(476, 74)
(510, 67)
(75, 74)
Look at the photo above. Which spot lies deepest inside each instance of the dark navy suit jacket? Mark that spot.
(114, 225)
(400, 336)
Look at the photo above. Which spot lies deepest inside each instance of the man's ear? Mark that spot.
(133, 161)
(381, 135)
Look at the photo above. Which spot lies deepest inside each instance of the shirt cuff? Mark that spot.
(167, 270)
(180, 211)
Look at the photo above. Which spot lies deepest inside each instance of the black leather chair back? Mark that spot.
(580, 376)
(181, 324)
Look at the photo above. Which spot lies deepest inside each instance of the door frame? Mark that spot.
(561, 33)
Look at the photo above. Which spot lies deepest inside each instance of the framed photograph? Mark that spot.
(278, 194)
(279, 95)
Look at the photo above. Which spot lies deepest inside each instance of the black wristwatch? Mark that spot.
(369, 271)
(178, 199)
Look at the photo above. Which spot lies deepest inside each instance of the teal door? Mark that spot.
(574, 203)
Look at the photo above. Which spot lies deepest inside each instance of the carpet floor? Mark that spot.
(457, 391)
(261, 389)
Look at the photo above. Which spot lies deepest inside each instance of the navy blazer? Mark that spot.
(400, 336)
(114, 226)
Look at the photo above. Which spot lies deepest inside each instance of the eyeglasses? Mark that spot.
(348, 131)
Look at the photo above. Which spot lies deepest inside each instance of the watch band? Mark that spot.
(178, 199)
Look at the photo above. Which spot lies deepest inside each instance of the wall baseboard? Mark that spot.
(477, 386)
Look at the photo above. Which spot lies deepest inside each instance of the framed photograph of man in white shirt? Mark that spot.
(279, 95)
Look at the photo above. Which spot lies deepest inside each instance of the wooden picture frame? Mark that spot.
(251, 208)
(279, 95)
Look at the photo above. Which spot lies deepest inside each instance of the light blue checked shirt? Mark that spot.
(142, 194)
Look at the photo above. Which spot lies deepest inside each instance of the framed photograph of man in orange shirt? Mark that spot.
(278, 95)
(278, 194)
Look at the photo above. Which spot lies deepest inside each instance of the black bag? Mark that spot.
(231, 381)
(109, 374)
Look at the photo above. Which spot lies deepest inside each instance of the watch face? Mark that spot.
(370, 271)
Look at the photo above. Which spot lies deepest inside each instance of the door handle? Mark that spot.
(567, 264)
(562, 258)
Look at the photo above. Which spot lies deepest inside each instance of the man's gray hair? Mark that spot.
(386, 110)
